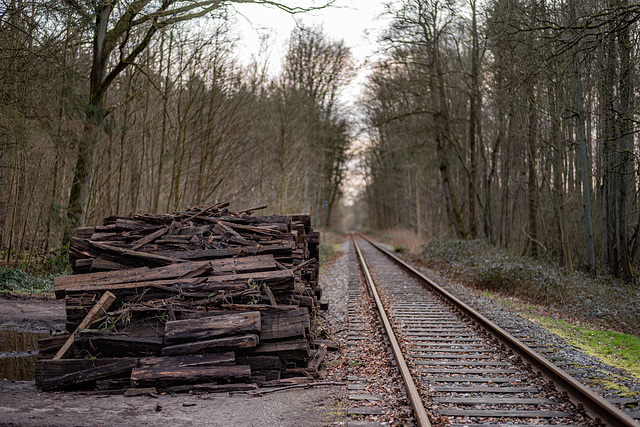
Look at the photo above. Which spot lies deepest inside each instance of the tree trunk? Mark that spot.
(532, 183)
(558, 168)
(419, 220)
(474, 107)
(82, 173)
(625, 150)
(443, 138)
(585, 167)
(609, 181)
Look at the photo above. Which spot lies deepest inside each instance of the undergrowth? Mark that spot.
(19, 281)
(602, 302)
(400, 240)
(330, 244)
(35, 278)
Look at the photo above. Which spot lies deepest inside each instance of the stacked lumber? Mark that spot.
(204, 299)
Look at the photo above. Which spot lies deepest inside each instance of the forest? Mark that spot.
(512, 121)
(143, 107)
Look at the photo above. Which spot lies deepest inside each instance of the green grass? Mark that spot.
(496, 298)
(616, 349)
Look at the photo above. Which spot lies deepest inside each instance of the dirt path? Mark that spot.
(23, 404)
(31, 314)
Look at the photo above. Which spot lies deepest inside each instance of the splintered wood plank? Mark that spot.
(284, 330)
(284, 246)
(278, 280)
(263, 308)
(211, 327)
(294, 349)
(96, 281)
(148, 239)
(230, 235)
(169, 376)
(260, 363)
(119, 366)
(318, 357)
(98, 310)
(117, 345)
(61, 283)
(213, 359)
(214, 345)
(258, 230)
(99, 264)
(49, 368)
(128, 253)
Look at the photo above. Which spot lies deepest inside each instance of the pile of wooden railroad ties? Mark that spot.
(201, 300)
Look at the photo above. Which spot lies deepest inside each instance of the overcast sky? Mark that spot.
(357, 22)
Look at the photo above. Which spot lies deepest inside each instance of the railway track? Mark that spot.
(464, 368)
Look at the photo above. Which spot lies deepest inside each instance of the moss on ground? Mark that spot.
(616, 349)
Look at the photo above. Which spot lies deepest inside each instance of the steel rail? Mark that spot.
(412, 391)
(595, 406)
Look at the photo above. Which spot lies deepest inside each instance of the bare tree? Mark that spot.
(115, 49)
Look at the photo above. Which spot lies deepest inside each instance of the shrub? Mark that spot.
(602, 301)
(16, 280)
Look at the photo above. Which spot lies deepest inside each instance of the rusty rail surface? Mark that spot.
(412, 391)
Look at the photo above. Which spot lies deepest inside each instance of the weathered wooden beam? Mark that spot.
(118, 345)
(129, 253)
(283, 247)
(294, 349)
(316, 360)
(170, 376)
(101, 280)
(98, 310)
(119, 366)
(260, 363)
(212, 327)
(213, 345)
(212, 359)
(49, 368)
(148, 239)
(278, 280)
(282, 331)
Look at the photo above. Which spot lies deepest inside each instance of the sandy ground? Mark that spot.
(23, 404)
